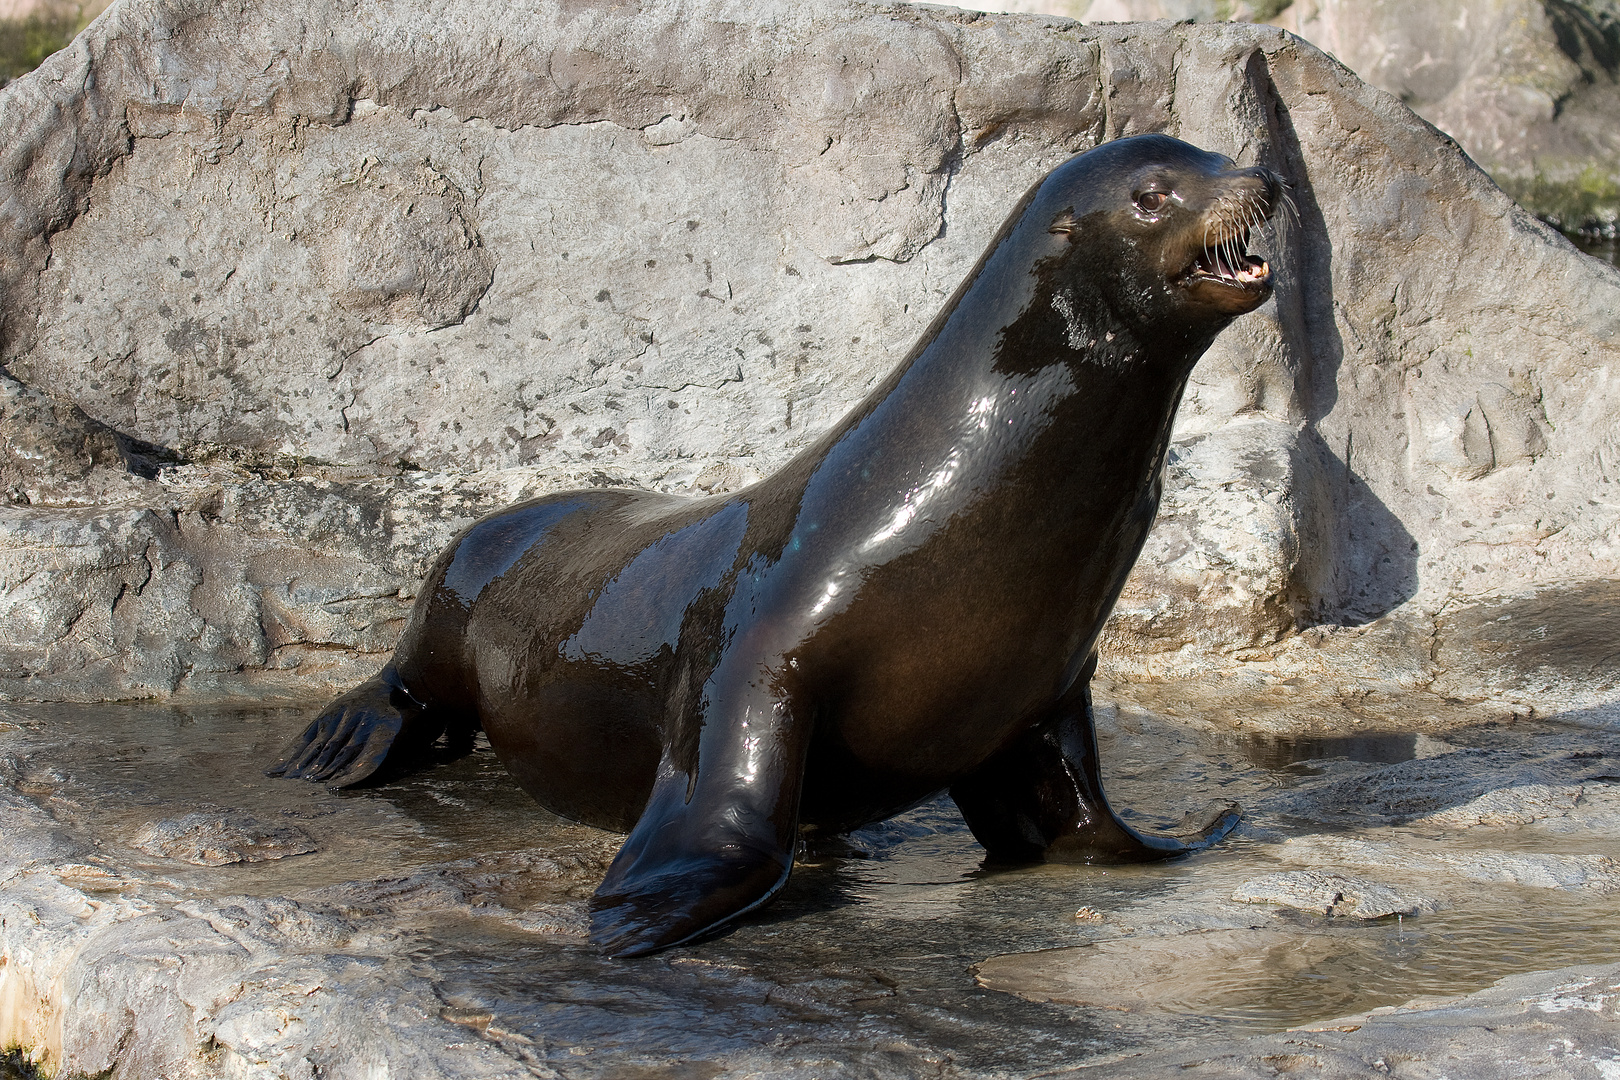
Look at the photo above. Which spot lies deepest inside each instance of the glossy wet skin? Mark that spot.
(911, 604)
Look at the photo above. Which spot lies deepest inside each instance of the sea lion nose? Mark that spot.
(1269, 182)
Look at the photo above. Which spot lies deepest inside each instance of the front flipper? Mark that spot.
(716, 841)
(377, 729)
(1041, 799)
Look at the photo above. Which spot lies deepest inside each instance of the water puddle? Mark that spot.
(1295, 970)
(1277, 752)
(892, 948)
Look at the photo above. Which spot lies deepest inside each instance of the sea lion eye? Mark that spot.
(1151, 201)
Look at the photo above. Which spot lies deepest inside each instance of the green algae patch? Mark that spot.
(26, 42)
(1585, 203)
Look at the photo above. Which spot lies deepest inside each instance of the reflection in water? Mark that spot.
(1281, 751)
(1303, 968)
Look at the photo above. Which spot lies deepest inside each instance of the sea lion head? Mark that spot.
(1160, 229)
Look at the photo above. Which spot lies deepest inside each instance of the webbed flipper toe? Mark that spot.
(372, 732)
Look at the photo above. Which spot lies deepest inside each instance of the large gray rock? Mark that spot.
(290, 292)
(1530, 88)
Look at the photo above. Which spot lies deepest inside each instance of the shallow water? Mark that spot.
(867, 958)
(1304, 968)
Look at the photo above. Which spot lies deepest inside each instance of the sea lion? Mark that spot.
(910, 605)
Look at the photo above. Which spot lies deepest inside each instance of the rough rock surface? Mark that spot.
(1599, 873)
(1472, 786)
(1529, 88)
(215, 836)
(288, 293)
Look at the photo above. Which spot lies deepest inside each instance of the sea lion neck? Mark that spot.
(1019, 337)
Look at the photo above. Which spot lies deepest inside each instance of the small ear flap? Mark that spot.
(1064, 223)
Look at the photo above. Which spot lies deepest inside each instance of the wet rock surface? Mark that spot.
(1332, 894)
(1474, 786)
(216, 836)
(1548, 1024)
(438, 925)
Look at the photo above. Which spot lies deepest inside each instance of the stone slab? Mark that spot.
(290, 292)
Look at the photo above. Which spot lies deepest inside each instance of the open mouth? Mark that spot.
(1224, 261)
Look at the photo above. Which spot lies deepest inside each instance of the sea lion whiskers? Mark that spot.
(1231, 220)
(1228, 222)
(1285, 197)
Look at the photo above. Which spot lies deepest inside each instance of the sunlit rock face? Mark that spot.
(1528, 87)
(289, 293)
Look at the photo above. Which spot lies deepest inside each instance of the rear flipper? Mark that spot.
(374, 732)
(1041, 800)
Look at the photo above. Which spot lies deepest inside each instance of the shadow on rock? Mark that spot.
(1358, 561)
(1556, 642)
